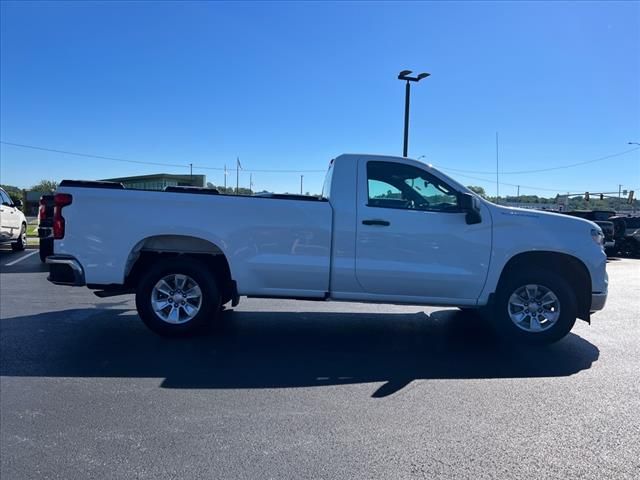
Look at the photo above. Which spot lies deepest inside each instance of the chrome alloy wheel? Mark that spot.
(176, 298)
(534, 308)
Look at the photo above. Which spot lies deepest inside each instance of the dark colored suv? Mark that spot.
(601, 218)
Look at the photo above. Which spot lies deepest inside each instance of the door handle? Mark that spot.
(382, 223)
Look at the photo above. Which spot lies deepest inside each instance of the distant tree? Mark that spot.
(229, 190)
(14, 192)
(475, 189)
(45, 186)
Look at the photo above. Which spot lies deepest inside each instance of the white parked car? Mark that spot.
(386, 230)
(13, 224)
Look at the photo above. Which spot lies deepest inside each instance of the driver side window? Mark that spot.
(394, 185)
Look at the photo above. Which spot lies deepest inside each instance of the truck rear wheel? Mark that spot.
(534, 306)
(178, 297)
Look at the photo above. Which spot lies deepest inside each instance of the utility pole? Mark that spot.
(237, 175)
(191, 172)
(251, 183)
(497, 183)
(404, 75)
(225, 178)
(619, 195)
(518, 194)
(301, 177)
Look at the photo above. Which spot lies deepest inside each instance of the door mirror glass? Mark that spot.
(471, 205)
(17, 204)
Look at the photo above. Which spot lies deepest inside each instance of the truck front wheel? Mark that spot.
(534, 306)
(177, 297)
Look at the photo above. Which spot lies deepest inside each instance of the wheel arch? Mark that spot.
(153, 248)
(563, 264)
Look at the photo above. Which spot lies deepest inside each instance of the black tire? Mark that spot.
(21, 243)
(209, 309)
(508, 330)
(471, 311)
(46, 248)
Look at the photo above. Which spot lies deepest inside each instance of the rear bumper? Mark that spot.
(65, 270)
(598, 301)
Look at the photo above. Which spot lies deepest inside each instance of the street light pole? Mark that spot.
(404, 75)
(633, 143)
(407, 100)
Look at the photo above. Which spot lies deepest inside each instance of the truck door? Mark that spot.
(412, 239)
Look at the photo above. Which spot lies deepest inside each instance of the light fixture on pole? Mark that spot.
(404, 75)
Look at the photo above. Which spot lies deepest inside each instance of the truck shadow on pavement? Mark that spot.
(280, 350)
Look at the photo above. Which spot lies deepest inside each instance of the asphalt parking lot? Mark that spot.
(310, 390)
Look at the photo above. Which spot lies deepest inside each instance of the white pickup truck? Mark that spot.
(385, 229)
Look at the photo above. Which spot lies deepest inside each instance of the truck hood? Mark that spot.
(513, 214)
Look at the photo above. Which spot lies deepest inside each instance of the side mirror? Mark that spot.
(17, 204)
(471, 205)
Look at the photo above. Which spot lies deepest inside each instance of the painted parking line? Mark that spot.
(20, 259)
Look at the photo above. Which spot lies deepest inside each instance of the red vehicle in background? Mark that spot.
(45, 226)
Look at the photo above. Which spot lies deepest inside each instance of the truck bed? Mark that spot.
(267, 243)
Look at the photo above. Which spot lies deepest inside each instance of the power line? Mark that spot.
(115, 159)
(262, 171)
(508, 184)
(530, 187)
(600, 159)
(186, 165)
(88, 155)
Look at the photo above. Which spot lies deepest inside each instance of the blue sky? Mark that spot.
(291, 85)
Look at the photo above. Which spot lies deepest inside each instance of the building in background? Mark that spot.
(158, 181)
(31, 203)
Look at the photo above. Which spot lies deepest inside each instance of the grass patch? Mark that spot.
(32, 230)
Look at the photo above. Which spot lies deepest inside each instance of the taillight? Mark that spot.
(41, 211)
(60, 200)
